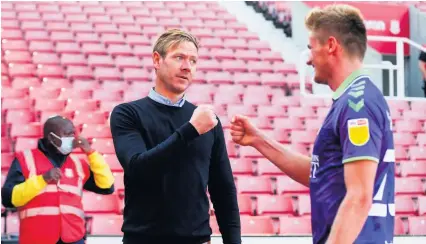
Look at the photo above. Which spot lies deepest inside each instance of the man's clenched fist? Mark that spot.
(203, 119)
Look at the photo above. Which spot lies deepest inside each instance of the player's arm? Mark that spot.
(361, 125)
(137, 161)
(353, 211)
(223, 192)
(294, 164)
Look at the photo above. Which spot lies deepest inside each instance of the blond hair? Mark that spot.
(171, 38)
(342, 21)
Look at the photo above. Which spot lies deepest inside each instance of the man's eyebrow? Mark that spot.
(182, 54)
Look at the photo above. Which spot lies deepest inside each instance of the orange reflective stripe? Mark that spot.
(29, 161)
(77, 190)
(62, 209)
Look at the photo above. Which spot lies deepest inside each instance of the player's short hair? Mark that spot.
(342, 21)
(171, 38)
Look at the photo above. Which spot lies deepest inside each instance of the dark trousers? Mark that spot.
(77, 242)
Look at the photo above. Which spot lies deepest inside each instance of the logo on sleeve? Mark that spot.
(358, 131)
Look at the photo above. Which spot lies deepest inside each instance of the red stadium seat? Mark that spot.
(252, 99)
(103, 145)
(275, 205)
(94, 49)
(295, 226)
(77, 72)
(245, 204)
(41, 46)
(404, 139)
(113, 162)
(95, 130)
(99, 19)
(37, 36)
(16, 103)
(11, 34)
(286, 185)
(421, 139)
(89, 118)
(264, 167)
(417, 225)
(73, 59)
(87, 38)
(242, 166)
(46, 58)
(399, 226)
(20, 116)
(127, 62)
(421, 205)
(16, 57)
(49, 104)
(14, 45)
(256, 225)
(417, 153)
(136, 74)
(95, 203)
(248, 55)
(82, 105)
(12, 221)
(65, 47)
(304, 137)
(124, 50)
(242, 78)
(231, 43)
(21, 70)
(408, 186)
(107, 224)
(209, 65)
(259, 66)
(404, 205)
(137, 39)
(28, 130)
(6, 160)
(418, 106)
(53, 71)
(412, 126)
(250, 152)
(8, 92)
(304, 205)
(119, 182)
(224, 54)
(44, 115)
(413, 169)
(272, 56)
(52, 18)
(6, 145)
(254, 185)
(12, 24)
(273, 79)
(103, 73)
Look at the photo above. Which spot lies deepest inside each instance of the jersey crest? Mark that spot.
(358, 131)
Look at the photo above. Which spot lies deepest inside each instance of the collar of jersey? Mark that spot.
(164, 100)
(348, 82)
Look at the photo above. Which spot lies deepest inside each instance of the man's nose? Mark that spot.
(186, 65)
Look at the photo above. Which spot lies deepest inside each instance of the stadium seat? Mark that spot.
(66, 47)
(45, 58)
(411, 126)
(95, 131)
(295, 226)
(106, 224)
(95, 203)
(49, 104)
(8, 92)
(20, 116)
(413, 168)
(103, 145)
(136, 74)
(21, 70)
(404, 139)
(286, 185)
(250, 152)
(421, 203)
(399, 228)
(404, 205)
(256, 225)
(41, 46)
(55, 26)
(274, 205)
(23, 143)
(408, 186)
(113, 162)
(417, 225)
(44, 115)
(417, 153)
(6, 160)
(241, 166)
(50, 71)
(254, 185)
(27, 130)
(418, 106)
(245, 204)
(103, 73)
(123, 50)
(82, 105)
(264, 167)
(6, 146)
(12, 221)
(100, 61)
(79, 72)
(119, 182)
(127, 62)
(16, 103)
(304, 205)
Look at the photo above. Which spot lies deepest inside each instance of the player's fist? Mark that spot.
(243, 132)
(53, 175)
(203, 119)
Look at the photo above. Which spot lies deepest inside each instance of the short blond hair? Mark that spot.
(342, 21)
(171, 38)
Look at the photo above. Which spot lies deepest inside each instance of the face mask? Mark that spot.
(66, 145)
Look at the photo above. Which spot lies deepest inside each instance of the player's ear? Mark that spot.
(156, 59)
(332, 44)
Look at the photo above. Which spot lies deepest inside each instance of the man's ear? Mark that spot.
(156, 59)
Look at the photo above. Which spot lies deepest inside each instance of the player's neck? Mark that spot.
(342, 71)
(163, 91)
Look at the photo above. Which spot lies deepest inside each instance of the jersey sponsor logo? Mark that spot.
(358, 131)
